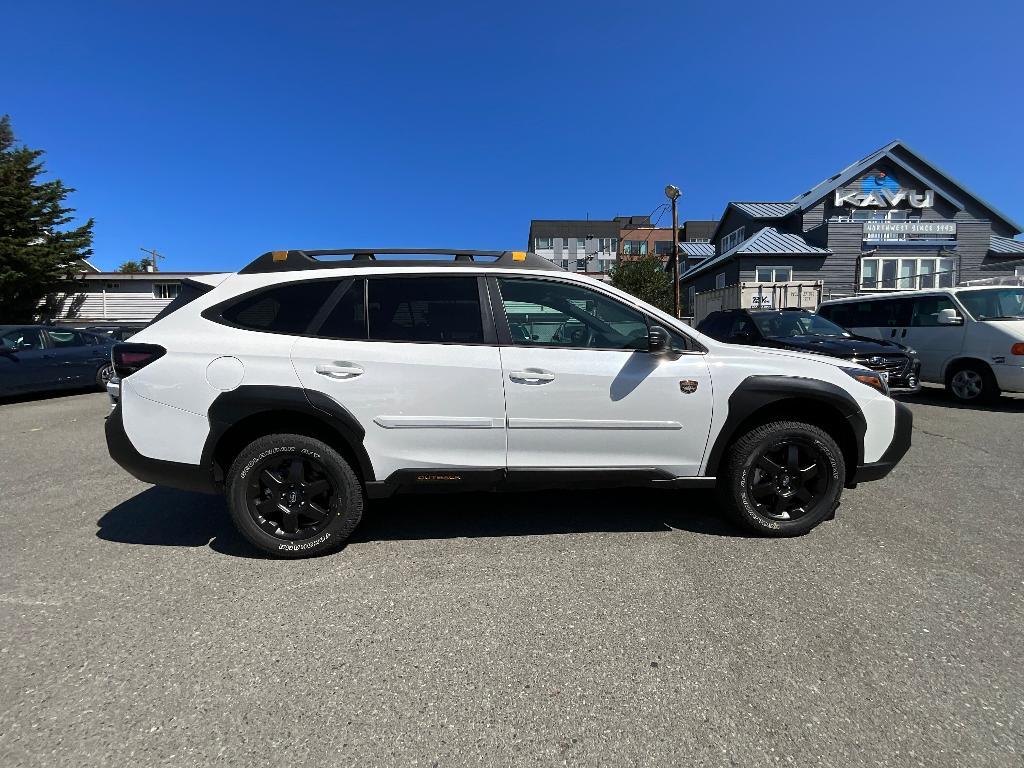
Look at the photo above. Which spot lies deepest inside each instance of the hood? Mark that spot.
(837, 346)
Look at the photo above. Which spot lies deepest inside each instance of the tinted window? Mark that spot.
(61, 339)
(22, 338)
(348, 318)
(716, 325)
(884, 313)
(285, 309)
(552, 314)
(926, 310)
(431, 309)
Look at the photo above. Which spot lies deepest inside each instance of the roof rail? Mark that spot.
(289, 261)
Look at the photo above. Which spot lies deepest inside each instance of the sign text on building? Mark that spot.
(885, 197)
(909, 228)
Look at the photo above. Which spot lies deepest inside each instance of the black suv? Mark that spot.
(803, 331)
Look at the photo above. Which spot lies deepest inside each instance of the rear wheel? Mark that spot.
(782, 478)
(103, 375)
(972, 382)
(293, 496)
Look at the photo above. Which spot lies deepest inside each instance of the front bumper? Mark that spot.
(187, 477)
(1010, 378)
(897, 449)
(907, 382)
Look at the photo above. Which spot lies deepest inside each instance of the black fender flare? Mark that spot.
(757, 392)
(229, 408)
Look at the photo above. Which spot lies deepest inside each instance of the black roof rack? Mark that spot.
(288, 261)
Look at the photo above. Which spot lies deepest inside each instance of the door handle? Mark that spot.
(531, 376)
(339, 370)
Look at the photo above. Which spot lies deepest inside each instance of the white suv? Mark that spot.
(302, 384)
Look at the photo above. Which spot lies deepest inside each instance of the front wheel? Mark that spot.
(782, 478)
(293, 496)
(972, 383)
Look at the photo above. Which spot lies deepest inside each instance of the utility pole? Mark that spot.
(155, 255)
(673, 193)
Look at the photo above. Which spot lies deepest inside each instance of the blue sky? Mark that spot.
(216, 135)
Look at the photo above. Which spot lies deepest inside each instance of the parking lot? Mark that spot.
(624, 628)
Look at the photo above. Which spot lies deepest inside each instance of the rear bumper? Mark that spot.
(897, 449)
(187, 477)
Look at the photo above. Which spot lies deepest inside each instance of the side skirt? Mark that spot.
(452, 480)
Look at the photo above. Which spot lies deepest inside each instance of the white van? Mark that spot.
(970, 339)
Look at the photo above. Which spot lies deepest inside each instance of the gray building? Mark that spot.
(890, 221)
(579, 245)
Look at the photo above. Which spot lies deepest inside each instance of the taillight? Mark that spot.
(128, 358)
(1017, 349)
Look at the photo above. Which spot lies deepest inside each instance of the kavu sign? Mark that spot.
(882, 190)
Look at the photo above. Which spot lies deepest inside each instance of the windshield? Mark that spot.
(1001, 304)
(781, 324)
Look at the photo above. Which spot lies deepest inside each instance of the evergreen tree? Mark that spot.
(645, 277)
(130, 266)
(37, 253)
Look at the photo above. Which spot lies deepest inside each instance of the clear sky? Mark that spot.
(215, 131)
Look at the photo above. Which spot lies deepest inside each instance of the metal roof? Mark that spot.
(1007, 245)
(696, 249)
(765, 241)
(850, 172)
(767, 210)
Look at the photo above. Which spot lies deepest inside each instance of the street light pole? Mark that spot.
(672, 193)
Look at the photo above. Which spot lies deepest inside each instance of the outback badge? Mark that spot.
(687, 386)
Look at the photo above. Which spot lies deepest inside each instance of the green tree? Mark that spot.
(645, 277)
(130, 266)
(37, 251)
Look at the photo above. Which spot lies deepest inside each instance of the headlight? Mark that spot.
(912, 352)
(868, 378)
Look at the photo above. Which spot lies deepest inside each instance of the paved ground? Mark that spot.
(583, 629)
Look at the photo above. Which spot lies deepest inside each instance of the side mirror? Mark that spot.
(658, 342)
(949, 317)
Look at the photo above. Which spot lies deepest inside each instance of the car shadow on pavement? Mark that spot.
(938, 397)
(170, 518)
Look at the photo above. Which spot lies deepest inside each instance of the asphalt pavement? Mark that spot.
(609, 628)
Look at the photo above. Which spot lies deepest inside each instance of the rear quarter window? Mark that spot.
(288, 308)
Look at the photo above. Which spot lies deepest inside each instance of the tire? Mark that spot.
(103, 375)
(769, 490)
(293, 496)
(972, 382)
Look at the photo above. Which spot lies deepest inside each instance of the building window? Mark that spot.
(663, 247)
(565, 263)
(581, 245)
(881, 274)
(607, 244)
(542, 244)
(166, 290)
(720, 280)
(634, 247)
(113, 286)
(774, 274)
(733, 239)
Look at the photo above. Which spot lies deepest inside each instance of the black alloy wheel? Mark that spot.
(293, 495)
(782, 478)
(290, 497)
(788, 479)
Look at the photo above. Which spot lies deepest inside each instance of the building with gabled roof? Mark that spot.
(890, 221)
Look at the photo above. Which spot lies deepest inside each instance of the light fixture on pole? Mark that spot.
(672, 193)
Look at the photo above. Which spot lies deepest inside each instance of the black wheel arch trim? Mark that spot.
(898, 447)
(757, 392)
(230, 408)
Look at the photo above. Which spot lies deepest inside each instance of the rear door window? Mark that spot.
(287, 308)
(64, 339)
(425, 309)
(347, 320)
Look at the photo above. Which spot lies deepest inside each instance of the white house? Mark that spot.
(118, 298)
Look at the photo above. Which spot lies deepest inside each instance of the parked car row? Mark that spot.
(969, 339)
(37, 358)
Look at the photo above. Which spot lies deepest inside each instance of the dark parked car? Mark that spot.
(36, 358)
(803, 331)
